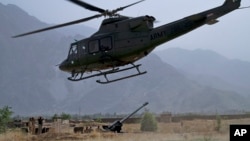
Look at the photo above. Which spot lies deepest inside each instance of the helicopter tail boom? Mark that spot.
(180, 27)
(227, 7)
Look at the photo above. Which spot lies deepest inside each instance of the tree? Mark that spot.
(65, 116)
(5, 117)
(148, 122)
(55, 116)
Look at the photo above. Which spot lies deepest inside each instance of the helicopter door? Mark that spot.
(93, 47)
(82, 51)
(106, 44)
(103, 45)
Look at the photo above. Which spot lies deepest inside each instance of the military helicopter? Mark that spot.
(121, 40)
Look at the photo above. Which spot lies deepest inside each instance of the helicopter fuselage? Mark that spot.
(118, 42)
(123, 40)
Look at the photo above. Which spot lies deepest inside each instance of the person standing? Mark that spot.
(33, 125)
(30, 126)
(40, 125)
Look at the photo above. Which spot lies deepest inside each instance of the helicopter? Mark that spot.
(122, 40)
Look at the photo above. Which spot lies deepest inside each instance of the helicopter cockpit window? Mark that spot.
(93, 46)
(73, 50)
(105, 44)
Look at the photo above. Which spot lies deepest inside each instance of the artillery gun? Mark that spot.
(117, 125)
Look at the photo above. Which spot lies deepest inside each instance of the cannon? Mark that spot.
(116, 126)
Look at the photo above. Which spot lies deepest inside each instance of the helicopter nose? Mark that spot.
(63, 66)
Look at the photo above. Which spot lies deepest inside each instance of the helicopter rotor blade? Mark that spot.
(59, 26)
(87, 6)
(124, 7)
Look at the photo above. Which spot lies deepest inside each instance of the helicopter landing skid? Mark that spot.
(121, 70)
(76, 77)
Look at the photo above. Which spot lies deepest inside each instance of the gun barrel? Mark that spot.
(122, 120)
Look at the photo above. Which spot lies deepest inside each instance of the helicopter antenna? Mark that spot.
(87, 6)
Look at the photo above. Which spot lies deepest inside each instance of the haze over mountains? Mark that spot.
(31, 83)
(211, 69)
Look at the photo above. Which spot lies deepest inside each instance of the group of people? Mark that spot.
(32, 125)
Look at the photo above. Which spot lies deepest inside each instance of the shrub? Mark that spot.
(148, 122)
(218, 123)
(5, 117)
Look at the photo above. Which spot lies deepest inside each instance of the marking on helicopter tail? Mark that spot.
(158, 35)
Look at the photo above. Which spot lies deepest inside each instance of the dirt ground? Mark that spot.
(195, 130)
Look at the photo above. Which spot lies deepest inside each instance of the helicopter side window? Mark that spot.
(93, 46)
(73, 50)
(105, 44)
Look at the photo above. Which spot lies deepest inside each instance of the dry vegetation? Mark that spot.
(195, 130)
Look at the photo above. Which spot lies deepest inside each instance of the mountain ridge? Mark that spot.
(31, 83)
(211, 67)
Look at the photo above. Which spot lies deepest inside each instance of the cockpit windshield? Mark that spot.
(73, 50)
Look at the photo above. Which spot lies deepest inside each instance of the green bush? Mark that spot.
(148, 122)
(5, 117)
(65, 116)
(218, 123)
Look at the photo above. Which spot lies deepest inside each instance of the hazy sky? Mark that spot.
(230, 37)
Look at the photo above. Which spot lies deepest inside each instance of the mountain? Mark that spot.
(211, 69)
(31, 83)
(28, 65)
(163, 87)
